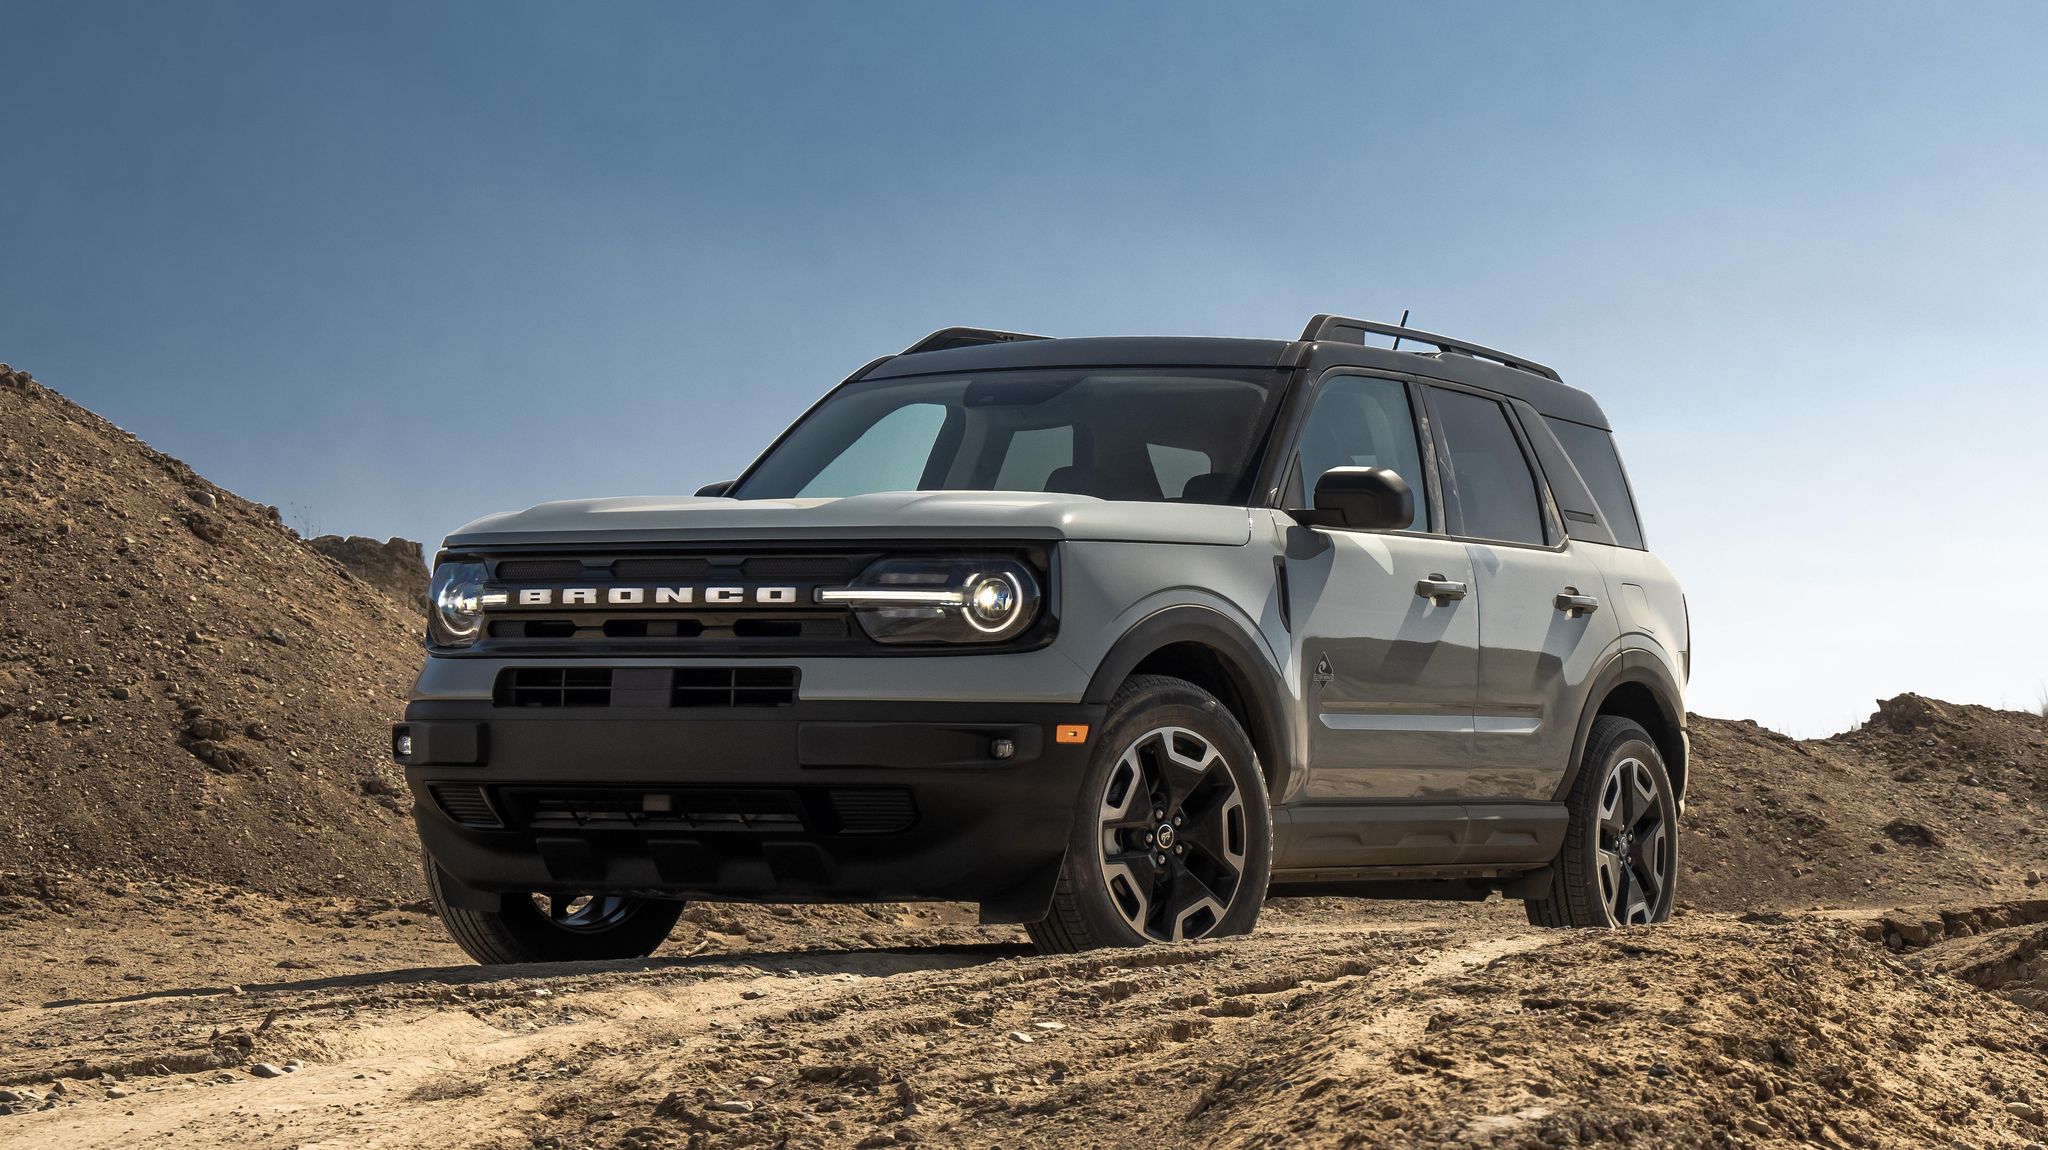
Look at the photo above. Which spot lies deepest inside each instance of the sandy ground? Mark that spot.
(149, 1018)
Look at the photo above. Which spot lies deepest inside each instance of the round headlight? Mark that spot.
(456, 618)
(992, 601)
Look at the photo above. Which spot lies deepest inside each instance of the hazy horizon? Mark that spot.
(392, 268)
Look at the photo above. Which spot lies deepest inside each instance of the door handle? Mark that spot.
(1437, 588)
(1574, 604)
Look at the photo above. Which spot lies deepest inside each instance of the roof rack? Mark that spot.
(1340, 329)
(951, 337)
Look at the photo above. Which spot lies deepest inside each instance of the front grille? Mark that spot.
(466, 805)
(659, 600)
(555, 687)
(695, 687)
(734, 687)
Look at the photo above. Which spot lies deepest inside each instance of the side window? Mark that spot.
(1488, 487)
(889, 456)
(1360, 421)
(1032, 457)
(1592, 452)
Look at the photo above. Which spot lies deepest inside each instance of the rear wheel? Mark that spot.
(1173, 836)
(556, 926)
(1619, 862)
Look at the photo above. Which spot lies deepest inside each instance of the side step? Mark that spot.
(1335, 841)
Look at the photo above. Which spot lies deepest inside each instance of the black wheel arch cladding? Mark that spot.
(1202, 646)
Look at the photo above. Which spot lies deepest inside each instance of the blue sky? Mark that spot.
(393, 266)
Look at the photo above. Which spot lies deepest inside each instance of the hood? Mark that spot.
(886, 515)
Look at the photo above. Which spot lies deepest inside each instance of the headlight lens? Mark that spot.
(456, 618)
(972, 599)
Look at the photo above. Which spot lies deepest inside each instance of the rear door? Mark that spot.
(1386, 628)
(1547, 617)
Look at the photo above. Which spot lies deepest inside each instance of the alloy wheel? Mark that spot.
(1173, 835)
(582, 913)
(1634, 857)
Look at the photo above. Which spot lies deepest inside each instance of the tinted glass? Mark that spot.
(1359, 421)
(1592, 452)
(1152, 434)
(891, 452)
(1487, 479)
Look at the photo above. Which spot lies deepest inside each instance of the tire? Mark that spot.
(1622, 840)
(575, 928)
(1170, 746)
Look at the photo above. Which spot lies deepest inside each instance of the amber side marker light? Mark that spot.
(1070, 733)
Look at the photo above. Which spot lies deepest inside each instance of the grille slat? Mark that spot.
(694, 687)
(516, 570)
(556, 687)
(734, 687)
(467, 805)
(873, 810)
(614, 808)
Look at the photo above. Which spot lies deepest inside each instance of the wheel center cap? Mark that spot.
(1164, 835)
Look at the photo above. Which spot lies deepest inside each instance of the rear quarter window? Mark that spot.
(1592, 451)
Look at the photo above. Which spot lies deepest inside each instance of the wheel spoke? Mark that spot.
(1187, 898)
(1613, 878)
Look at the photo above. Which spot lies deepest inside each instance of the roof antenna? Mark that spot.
(1403, 323)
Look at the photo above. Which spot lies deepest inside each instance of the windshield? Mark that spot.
(1177, 435)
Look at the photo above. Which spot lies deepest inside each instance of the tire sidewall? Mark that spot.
(1169, 703)
(1633, 742)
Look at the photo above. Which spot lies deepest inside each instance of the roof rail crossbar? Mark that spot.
(952, 337)
(1342, 329)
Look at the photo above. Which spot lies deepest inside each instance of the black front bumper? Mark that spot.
(811, 802)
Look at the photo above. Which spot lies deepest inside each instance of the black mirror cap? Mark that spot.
(711, 490)
(1364, 499)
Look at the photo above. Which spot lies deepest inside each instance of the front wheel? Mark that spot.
(556, 926)
(1173, 834)
(1619, 862)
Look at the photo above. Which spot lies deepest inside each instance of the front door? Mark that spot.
(1386, 623)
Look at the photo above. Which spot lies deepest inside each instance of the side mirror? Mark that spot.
(1363, 499)
(715, 489)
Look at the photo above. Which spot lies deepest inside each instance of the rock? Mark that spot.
(276, 636)
(2024, 1112)
(266, 1070)
(116, 1092)
(2033, 876)
(10, 1097)
(1050, 1025)
(204, 526)
(294, 1066)
(733, 1106)
(1020, 1036)
(1906, 832)
(760, 1081)
(204, 498)
(121, 693)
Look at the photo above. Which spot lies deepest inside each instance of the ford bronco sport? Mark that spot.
(1114, 637)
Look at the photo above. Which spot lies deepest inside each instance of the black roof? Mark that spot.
(969, 349)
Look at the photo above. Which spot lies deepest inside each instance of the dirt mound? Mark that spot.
(186, 689)
(1925, 802)
(394, 567)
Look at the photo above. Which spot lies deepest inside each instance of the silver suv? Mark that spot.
(1114, 637)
